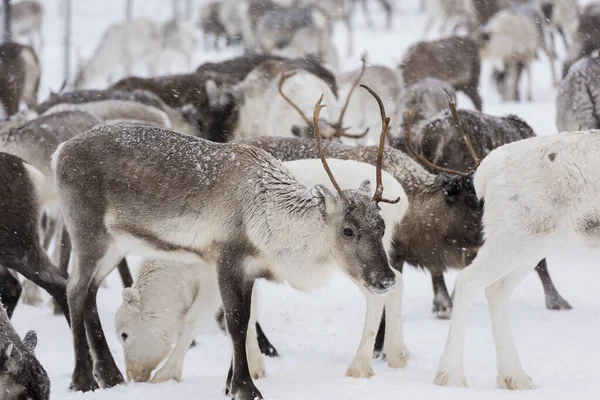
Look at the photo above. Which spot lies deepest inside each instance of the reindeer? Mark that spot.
(123, 45)
(578, 99)
(211, 24)
(512, 38)
(19, 77)
(21, 374)
(149, 298)
(20, 245)
(540, 197)
(454, 60)
(26, 24)
(461, 12)
(336, 10)
(246, 233)
(178, 42)
(563, 17)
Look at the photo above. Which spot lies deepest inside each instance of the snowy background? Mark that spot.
(317, 334)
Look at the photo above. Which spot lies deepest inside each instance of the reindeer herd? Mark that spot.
(276, 165)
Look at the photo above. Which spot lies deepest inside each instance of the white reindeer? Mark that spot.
(125, 45)
(541, 195)
(161, 308)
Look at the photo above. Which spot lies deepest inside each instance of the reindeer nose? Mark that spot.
(388, 282)
(383, 282)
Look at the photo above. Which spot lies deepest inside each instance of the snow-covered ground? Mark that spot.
(317, 334)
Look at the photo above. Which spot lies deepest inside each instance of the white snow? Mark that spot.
(317, 334)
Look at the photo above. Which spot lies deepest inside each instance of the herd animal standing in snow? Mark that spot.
(231, 173)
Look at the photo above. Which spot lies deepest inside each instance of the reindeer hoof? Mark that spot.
(360, 372)
(397, 358)
(445, 378)
(520, 381)
(556, 302)
(442, 308)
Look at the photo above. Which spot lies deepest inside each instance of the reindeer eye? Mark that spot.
(348, 232)
(124, 336)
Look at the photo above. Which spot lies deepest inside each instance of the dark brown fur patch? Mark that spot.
(589, 224)
(552, 156)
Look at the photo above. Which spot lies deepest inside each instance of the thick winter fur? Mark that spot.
(109, 110)
(23, 187)
(363, 112)
(235, 205)
(143, 309)
(578, 99)
(21, 374)
(123, 45)
(511, 39)
(426, 99)
(254, 107)
(587, 38)
(453, 60)
(19, 77)
(178, 37)
(541, 196)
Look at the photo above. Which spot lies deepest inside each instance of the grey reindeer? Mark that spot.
(21, 374)
(231, 204)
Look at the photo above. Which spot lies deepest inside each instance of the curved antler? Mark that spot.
(385, 123)
(316, 113)
(423, 160)
(338, 125)
(282, 80)
(466, 136)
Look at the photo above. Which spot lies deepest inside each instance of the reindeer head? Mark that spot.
(331, 130)
(223, 110)
(21, 374)
(140, 334)
(354, 218)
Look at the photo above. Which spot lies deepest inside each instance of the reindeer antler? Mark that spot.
(340, 131)
(385, 123)
(282, 80)
(317, 132)
(423, 160)
(459, 129)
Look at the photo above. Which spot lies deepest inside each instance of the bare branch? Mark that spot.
(466, 136)
(282, 80)
(385, 123)
(316, 113)
(423, 160)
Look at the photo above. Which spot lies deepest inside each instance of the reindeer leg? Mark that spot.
(63, 264)
(10, 290)
(554, 301)
(442, 303)
(125, 273)
(361, 365)
(236, 293)
(397, 264)
(394, 347)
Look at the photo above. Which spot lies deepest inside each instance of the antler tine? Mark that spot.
(466, 136)
(353, 136)
(363, 59)
(385, 123)
(423, 160)
(282, 80)
(317, 132)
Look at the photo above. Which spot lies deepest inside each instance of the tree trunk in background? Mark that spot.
(129, 10)
(67, 42)
(7, 35)
(485, 9)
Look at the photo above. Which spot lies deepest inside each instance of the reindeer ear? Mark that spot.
(7, 354)
(30, 341)
(325, 198)
(131, 297)
(365, 187)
